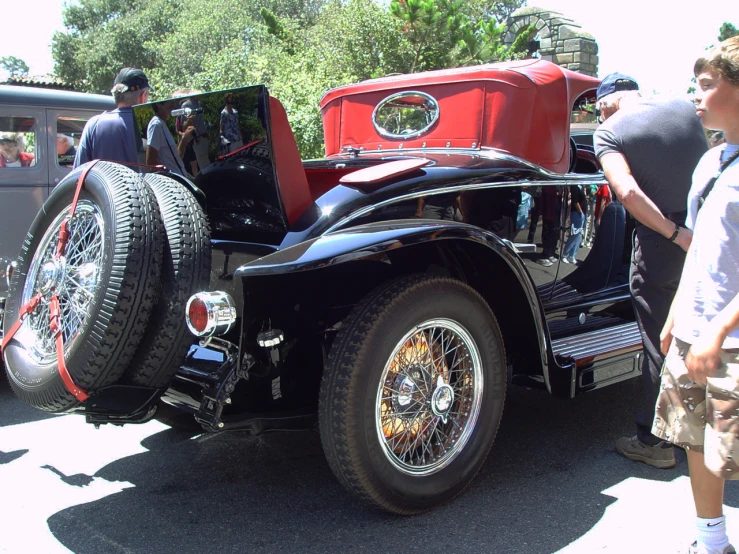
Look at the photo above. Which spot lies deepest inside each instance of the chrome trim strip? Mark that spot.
(598, 342)
(459, 188)
(524, 247)
(484, 152)
(565, 301)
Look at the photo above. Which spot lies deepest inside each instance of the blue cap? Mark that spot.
(614, 83)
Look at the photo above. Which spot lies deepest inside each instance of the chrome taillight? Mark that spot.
(210, 313)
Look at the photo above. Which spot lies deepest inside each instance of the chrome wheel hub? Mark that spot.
(429, 397)
(442, 399)
(50, 276)
(73, 278)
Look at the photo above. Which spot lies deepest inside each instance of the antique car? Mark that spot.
(381, 294)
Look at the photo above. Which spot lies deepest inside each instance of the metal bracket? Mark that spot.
(353, 150)
(217, 396)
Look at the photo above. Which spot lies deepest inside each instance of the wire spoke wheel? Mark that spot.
(72, 277)
(413, 393)
(106, 282)
(429, 397)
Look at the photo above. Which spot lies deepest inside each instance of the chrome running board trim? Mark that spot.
(613, 340)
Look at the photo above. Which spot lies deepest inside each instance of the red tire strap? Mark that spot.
(61, 245)
(56, 312)
(54, 308)
(26, 309)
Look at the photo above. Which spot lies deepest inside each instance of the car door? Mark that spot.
(24, 189)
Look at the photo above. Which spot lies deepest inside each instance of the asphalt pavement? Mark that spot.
(552, 483)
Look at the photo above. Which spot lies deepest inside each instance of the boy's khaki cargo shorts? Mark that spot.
(698, 418)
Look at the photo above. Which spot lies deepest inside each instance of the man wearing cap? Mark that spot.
(113, 135)
(648, 149)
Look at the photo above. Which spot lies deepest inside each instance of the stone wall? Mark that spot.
(562, 41)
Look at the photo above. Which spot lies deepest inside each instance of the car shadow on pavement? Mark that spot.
(540, 490)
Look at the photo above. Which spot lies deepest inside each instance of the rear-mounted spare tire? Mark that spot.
(106, 283)
(186, 261)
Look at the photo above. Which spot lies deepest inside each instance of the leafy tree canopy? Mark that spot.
(298, 48)
(727, 31)
(15, 67)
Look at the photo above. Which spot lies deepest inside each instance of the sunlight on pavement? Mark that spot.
(647, 516)
(56, 473)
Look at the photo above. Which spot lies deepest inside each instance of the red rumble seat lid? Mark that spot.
(520, 107)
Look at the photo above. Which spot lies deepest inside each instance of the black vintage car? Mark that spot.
(383, 293)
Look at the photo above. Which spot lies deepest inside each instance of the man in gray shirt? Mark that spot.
(113, 135)
(648, 150)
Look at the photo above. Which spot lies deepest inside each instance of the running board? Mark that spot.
(602, 357)
(586, 347)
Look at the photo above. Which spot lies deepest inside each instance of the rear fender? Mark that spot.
(380, 239)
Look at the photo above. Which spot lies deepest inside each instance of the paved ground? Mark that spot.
(551, 484)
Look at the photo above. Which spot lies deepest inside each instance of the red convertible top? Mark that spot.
(520, 107)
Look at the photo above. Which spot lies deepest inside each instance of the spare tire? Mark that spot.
(186, 260)
(106, 282)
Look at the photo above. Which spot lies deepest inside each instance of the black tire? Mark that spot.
(126, 250)
(186, 261)
(355, 368)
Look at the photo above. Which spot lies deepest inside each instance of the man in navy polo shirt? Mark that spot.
(112, 135)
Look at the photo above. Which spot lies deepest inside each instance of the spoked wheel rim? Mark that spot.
(429, 397)
(73, 278)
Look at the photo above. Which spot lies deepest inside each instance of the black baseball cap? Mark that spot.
(615, 82)
(133, 79)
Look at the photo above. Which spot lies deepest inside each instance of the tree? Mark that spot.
(105, 35)
(298, 48)
(727, 31)
(444, 33)
(484, 10)
(14, 66)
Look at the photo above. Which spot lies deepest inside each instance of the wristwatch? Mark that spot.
(676, 233)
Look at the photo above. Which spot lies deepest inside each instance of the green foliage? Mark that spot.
(298, 48)
(277, 29)
(14, 66)
(449, 33)
(484, 10)
(727, 31)
(521, 44)
(105, 35)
